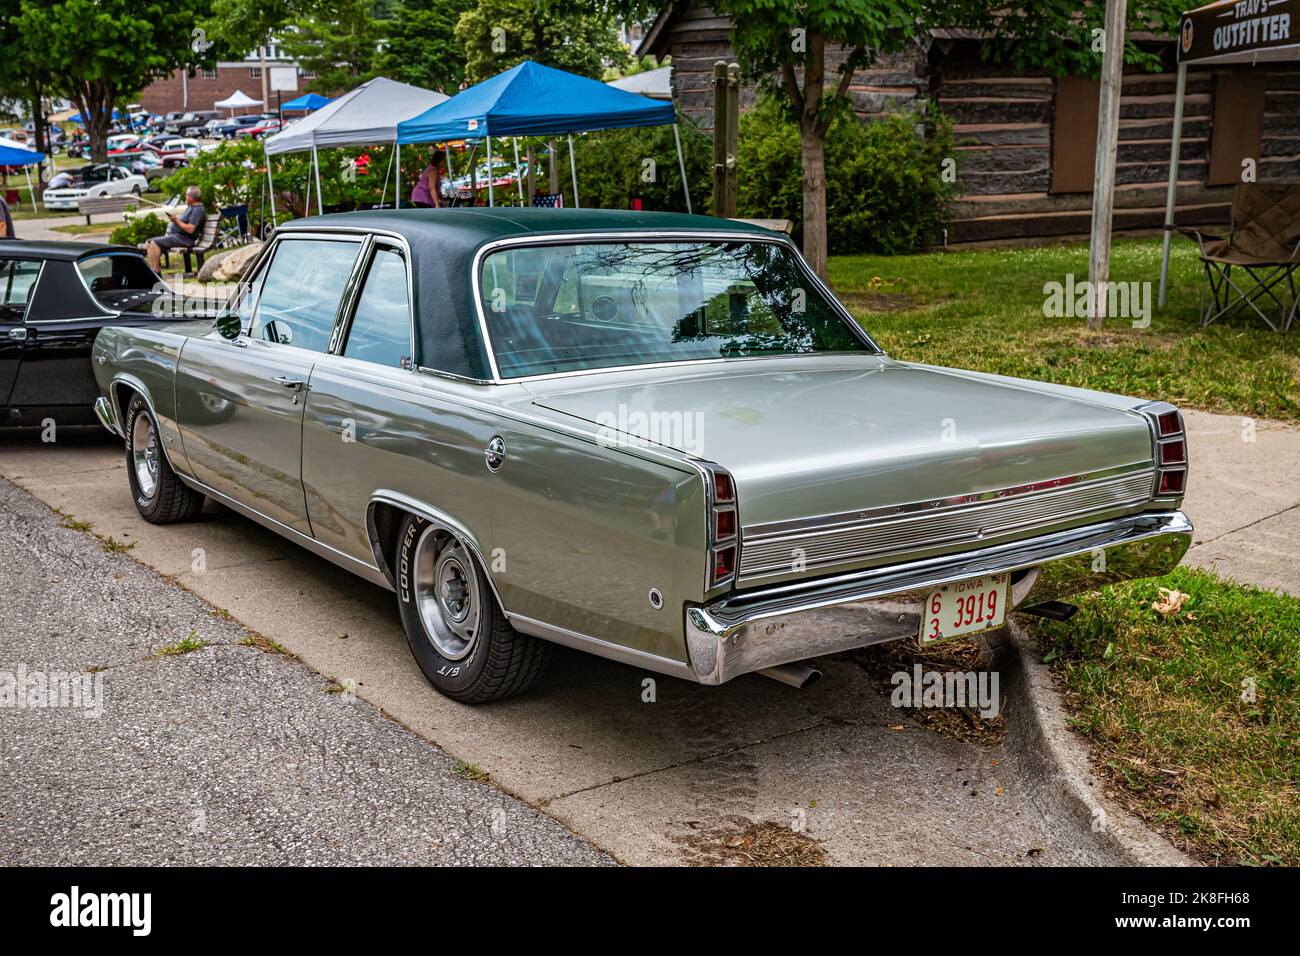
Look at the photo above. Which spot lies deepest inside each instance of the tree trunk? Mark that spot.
(812, 146)
(38, 119)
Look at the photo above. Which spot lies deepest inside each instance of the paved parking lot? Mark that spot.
(672, 780)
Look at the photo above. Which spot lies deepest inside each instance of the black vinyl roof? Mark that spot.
(443, 243)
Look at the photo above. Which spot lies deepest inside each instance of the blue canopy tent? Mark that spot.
(535, 100)
(78, 118)
(15, 154)
(307, 102)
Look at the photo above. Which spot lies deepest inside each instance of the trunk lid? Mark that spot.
(822, 448)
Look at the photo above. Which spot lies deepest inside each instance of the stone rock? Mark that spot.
(234, 264)
(207, 271)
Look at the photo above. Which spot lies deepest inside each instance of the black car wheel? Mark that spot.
(457, 631)
(160, 496)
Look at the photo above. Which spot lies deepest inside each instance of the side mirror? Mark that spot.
(230, 325)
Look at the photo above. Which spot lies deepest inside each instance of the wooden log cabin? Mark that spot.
(1027, 141)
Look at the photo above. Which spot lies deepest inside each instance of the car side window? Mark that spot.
(381, 328)
(17, 280)
(302, 290)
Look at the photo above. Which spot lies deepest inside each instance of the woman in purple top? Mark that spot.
(428, 189)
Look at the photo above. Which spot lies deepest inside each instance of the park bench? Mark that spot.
(99, 206)
(207, 239)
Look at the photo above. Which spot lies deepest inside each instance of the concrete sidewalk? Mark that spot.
(43, 230)
(1243, 496)
(222, 755)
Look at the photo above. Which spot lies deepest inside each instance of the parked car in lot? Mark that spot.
(54, 299)
(654, 437)
(93, 182)
(228, 129)
(259, 130)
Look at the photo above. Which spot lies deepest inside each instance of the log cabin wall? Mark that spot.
(1006, 128)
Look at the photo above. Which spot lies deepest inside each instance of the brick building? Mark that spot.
(201, 89)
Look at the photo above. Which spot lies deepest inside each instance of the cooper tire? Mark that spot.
(456, 630)
(160, 496)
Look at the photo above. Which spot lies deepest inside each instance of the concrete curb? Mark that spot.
(1055, 759)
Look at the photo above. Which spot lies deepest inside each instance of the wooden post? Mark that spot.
(719, 138)
(1103, 185)
(733, 135)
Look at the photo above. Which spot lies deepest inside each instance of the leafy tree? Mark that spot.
(340, 41)
(24, 72)
(422, 48)
(499, 34)
(98, 52)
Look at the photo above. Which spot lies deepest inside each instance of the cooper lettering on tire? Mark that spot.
(456, 630)
(160, 495)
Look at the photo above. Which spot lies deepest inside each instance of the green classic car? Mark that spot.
(658, 438)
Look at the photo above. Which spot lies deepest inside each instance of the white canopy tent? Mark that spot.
(366, 116)
(1225, 33)
(238, 100)
(16, 153)
(656, 84)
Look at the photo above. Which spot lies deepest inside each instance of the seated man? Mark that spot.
(182, 231)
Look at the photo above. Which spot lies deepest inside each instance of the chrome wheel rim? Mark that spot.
(144, 455)
(446, 594)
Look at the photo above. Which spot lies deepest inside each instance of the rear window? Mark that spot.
(119, 280)
(563, 308)
(17, 280)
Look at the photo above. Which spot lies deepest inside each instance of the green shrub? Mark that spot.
(138, 230)
(612, 169)
(884, 182)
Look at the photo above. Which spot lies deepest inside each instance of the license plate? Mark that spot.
(964, 608)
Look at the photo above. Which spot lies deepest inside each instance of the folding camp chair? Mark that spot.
(1264, 244)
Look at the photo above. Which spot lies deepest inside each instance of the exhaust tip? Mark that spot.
(798, 676)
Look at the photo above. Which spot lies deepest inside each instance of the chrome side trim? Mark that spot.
(762, 628)
(104, 412)
(602, 648)
(649, 236)
(318, 548)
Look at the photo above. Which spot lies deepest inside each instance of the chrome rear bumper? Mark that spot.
(749, 631)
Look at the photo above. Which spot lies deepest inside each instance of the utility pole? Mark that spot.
(1103, 184)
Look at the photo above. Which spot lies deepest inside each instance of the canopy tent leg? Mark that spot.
(306, 205)
(681, 163)
(320, 202)
(491, 201)
(397, 183)
(27, 174)
(519, 178)
(388, 171)
(573, 168)
(1175, 150)
(270, 189)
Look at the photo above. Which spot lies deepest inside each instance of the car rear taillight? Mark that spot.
(724, 526)
(1170, 449)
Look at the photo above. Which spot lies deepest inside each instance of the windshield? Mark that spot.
(604, 304)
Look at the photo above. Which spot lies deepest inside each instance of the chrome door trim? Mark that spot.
(318, 548)
(668, 235)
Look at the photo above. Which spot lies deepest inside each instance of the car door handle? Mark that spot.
(18, 335)
(289, 381)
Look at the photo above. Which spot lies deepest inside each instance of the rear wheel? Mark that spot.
(456, 629)
(160, 496)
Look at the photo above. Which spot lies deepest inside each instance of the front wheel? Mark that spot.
(456, 629)
(160, 496)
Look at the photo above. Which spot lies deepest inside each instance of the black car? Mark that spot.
(54, 298)
(229, 129)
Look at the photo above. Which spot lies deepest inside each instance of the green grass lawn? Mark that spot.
(1194, 715)
(983, 309)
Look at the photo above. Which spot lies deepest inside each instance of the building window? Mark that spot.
(255, 72)
(307, 74)
(208, 74)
